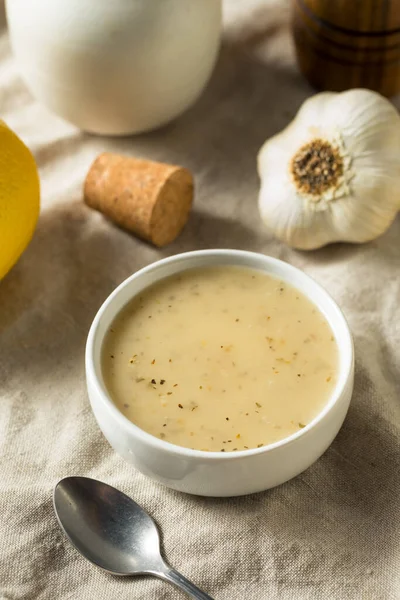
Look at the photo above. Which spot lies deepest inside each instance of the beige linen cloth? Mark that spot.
(333, 532)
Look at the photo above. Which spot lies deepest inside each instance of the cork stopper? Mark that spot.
(151, 199)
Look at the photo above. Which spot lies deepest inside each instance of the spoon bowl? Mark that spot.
(113, 532)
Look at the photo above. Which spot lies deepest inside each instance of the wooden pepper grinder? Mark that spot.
(343, 44)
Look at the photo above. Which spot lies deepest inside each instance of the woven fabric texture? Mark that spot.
(333, 532)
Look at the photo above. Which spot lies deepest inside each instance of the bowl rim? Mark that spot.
(345, 373)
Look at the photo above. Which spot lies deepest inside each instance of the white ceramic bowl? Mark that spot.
(215, 473)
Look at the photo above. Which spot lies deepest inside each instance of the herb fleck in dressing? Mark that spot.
(220, 359)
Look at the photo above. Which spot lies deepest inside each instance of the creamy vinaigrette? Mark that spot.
(220, 359)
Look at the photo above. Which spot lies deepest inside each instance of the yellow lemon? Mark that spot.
(19, 197)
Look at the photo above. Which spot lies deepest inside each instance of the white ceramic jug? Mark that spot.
(115, 67)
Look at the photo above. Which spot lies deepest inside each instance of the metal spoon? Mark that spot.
(113, 532)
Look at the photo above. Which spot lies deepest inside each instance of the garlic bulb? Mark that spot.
(334, 173)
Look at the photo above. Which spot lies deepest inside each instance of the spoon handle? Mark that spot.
(184, 584)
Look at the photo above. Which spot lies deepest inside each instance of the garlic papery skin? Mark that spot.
(333, 174)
